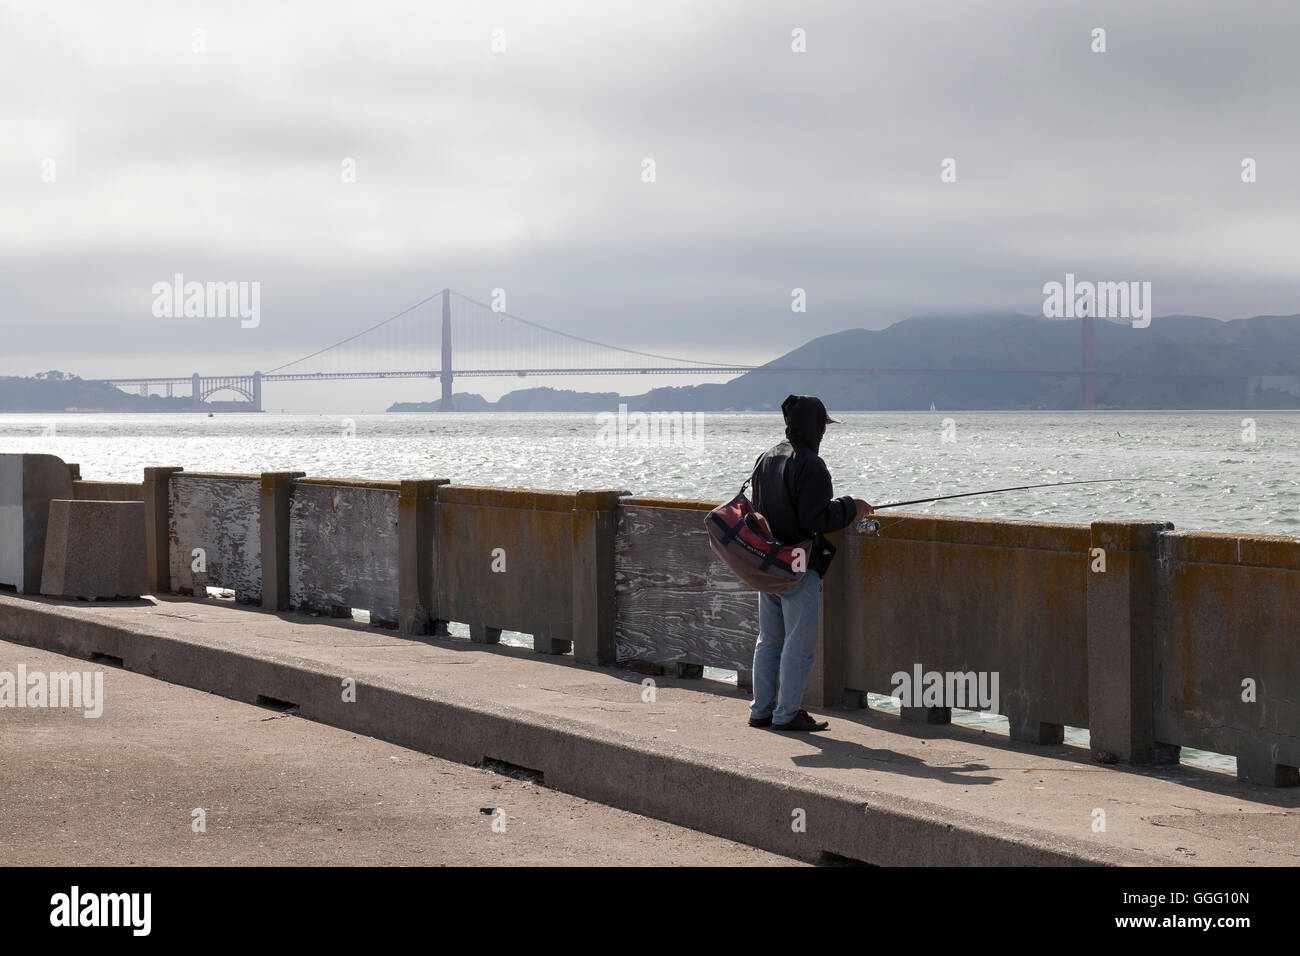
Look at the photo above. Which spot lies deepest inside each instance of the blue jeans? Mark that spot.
(783, 656)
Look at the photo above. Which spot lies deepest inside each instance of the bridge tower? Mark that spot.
(1089, 396)
(257, 391)
(446, 405)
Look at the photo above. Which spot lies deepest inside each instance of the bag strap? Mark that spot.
(746, 482)
(771, 556)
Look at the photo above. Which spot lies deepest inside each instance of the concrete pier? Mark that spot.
(874, 789)
(276, 790)
(1149, 638)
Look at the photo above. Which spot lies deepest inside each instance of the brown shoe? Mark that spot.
(802, 721)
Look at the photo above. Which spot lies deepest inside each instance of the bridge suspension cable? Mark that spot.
(579, 338)
(467, 328)
(351, 338)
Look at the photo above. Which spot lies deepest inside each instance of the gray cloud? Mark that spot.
(521, 170)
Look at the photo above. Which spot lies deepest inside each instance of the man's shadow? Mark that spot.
(838, 754)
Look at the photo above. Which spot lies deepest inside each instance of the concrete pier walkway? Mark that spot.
(872, 789)
(123, 790)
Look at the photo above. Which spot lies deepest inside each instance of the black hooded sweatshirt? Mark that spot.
(792, 486)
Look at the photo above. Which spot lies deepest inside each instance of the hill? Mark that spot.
(68, 393)
(991, 361)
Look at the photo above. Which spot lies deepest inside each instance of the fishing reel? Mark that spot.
(867, 526)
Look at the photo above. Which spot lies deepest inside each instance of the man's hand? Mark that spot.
(864, 509)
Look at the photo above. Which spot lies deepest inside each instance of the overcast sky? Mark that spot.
(523, 169)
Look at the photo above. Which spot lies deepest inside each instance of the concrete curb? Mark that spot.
(744, 801)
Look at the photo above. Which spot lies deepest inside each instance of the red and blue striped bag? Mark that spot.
(741, 538)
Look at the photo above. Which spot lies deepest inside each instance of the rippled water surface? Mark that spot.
(1201, 470)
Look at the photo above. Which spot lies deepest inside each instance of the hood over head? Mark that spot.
(805, 419)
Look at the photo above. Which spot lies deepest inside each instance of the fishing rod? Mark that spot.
(998, 491)
(865, 523)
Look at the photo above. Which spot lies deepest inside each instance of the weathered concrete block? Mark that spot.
(276, 491)
(28, 483)
(826, 682)
(1121, 634)
(965, 596)
(215, 533)
(674, 601)
(1259, 761)
(156, 493)
(417, 572)
(157, 521)
(83, 490)
(504, 560)
(594, 606)
(95, 549)
(1226, 667)
(343, 546)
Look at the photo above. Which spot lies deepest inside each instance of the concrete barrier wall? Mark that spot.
(1227, 649)
(111, 491)
(676, 602)
(504, 560)
(107, 491)
(968, 595)
(219, 514)
(95, 549)
(1140, 634)
(343, 549)
(28, 483)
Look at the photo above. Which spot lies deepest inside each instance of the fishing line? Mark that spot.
(868, 524)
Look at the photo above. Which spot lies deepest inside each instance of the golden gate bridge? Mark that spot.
(418, 342)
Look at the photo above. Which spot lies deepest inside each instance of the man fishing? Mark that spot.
(792, 490)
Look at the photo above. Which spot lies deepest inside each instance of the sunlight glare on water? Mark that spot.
(1195, 468)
